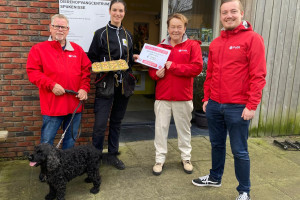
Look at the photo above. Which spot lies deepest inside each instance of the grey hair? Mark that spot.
(60, 16)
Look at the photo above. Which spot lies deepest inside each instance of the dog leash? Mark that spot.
(73, 115)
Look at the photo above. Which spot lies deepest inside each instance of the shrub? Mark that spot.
(198, 90)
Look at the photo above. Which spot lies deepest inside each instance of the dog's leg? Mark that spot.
(88, 180)
(61, 190)
(52, 193)
(42, 175)
(96, 179)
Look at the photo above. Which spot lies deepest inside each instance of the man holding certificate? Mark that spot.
(174, 91)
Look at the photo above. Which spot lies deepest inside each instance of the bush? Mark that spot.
(198, 90)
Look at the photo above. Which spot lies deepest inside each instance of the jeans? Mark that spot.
(51, 125)
(222, 118)
(113, 108)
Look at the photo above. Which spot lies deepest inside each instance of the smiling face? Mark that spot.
(59, 30)
(231, 15)
(176, 30)
(117, 13)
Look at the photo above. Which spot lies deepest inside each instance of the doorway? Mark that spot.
(142, 19)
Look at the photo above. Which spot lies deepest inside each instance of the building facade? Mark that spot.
(25, 23)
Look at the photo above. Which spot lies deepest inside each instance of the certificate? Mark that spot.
(153, 56)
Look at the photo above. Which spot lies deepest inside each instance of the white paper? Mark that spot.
(153, 56)
(85, 17)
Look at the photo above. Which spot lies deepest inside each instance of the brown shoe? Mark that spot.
(157, 168)
(187, 166)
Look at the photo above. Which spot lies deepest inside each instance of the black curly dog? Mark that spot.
(61, 166)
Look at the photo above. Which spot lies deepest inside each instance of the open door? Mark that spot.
(143, 21)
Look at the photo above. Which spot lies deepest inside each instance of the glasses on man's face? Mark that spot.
(57, 27)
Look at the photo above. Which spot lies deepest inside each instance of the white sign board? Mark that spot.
(153, 56)
(85, 17)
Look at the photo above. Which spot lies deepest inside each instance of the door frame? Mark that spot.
(164, 18)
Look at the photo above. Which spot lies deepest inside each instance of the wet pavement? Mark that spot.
(275, 174)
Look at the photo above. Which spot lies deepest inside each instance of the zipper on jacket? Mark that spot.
(220, 85)
(117, 31)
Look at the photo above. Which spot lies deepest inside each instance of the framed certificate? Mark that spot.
(153, 56)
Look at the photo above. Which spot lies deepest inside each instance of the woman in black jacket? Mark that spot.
(112, 88)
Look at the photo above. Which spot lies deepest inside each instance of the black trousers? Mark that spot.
(113, 108)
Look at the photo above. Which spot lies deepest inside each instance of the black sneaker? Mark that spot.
(114, 161)
(243, 196)
(206, 181)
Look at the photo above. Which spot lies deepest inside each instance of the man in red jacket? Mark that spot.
(235, 78)
(53, 66)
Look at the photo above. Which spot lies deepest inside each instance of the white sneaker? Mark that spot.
(187, 166)
(157, 168)
(243, 196)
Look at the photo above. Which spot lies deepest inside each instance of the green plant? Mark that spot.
(198, 90)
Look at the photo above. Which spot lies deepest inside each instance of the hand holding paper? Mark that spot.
(161, 72)
(153, 56)
(168, 64)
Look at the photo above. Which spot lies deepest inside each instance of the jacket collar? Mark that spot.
(244, 26)
(114, 27)
(168, 39)
(68, 44)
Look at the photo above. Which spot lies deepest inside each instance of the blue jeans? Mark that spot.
(222, 118)
(113, 108)
(51, 125)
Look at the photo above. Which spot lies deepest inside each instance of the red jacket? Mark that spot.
(177, 84)
(48, 64)
(236, 68)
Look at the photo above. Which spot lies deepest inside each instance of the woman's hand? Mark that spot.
(161, 72)
(136, 57)
(168, 64)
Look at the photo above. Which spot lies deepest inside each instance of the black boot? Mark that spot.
(113, 160)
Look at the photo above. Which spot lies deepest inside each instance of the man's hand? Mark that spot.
(161, 72)
(248, 114)
(82, 95)
(58, 90)
(168, 64)
(204, 106)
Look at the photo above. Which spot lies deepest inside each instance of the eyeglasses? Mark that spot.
(57, 27)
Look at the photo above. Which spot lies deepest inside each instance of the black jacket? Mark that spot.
(98, 51)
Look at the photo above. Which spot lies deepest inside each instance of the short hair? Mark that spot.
(60, 16)
(118, 1)
(179, 16)
(239, 1)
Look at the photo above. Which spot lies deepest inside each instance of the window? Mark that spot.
(200, 14)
